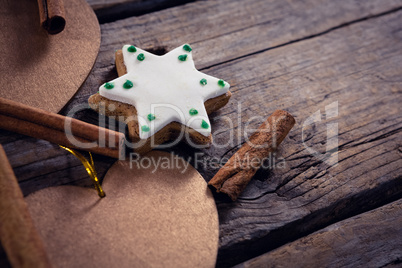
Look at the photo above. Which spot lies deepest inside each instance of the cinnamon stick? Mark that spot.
(49, 126)
(51, 14)
(18, 235)
(234, 176)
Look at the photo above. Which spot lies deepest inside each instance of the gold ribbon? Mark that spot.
(89, 167)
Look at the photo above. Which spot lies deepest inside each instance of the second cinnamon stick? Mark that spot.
(57, 136)
(60, 129)
(234, 176)
(58, 122)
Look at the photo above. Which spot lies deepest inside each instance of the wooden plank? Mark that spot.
(357, 65)
(224, 30)
(371, 239)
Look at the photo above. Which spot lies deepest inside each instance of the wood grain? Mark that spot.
(376, 243)
(299, 56)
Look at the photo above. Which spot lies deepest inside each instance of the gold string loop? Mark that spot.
(89, 167)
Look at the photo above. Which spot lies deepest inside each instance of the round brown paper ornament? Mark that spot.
(43, 70)
(158, 212)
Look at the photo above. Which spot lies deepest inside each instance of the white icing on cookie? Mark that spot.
(164, 89)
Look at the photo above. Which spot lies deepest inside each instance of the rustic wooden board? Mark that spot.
(376, 243)
(292, 55)
(148, 31)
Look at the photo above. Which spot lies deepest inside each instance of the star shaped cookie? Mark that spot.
(161, 98)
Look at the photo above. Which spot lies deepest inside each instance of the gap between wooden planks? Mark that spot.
(357, 65)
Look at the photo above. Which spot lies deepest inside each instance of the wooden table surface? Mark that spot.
(335, 65)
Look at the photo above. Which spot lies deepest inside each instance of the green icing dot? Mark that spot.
(109, 85)
(141, 57)
(221, 83)
(203, 81)
(182, 57)
(151, 117)
(193, 111)
(204, 124)
(128, 84)
(145, 128)
(131, 49)
(187, 48)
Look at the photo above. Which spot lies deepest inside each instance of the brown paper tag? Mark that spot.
(43, 70)
(158, 212)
